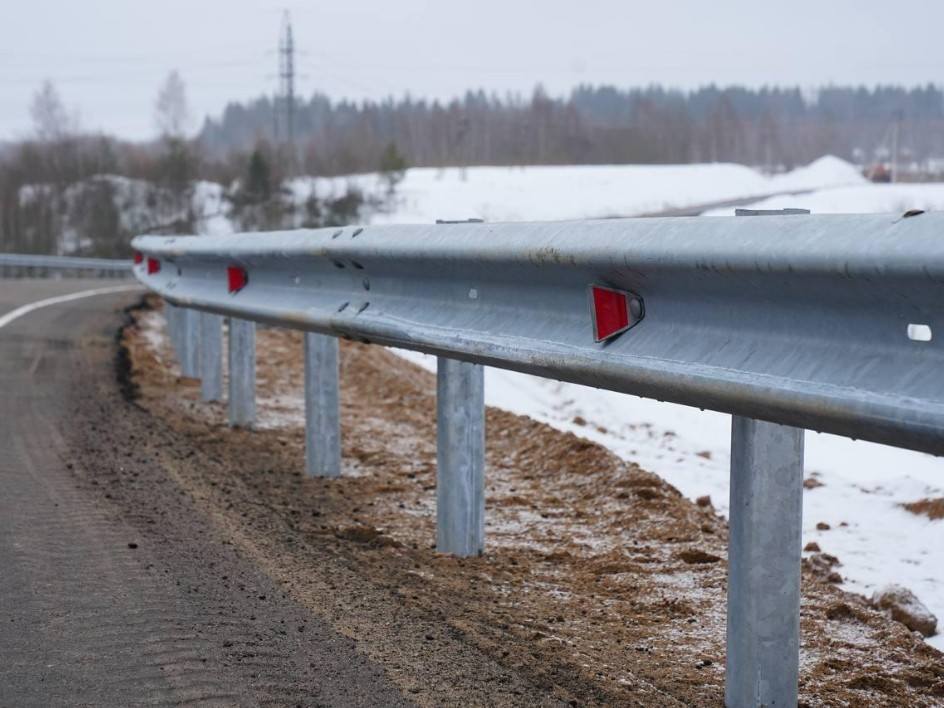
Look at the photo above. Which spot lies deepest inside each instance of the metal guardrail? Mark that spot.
(29, 265)
(800, 320)
(787, 322)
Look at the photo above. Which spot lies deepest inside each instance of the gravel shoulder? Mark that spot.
(601, 584)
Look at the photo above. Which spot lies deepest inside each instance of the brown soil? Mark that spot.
(932, 508)
(601, 584)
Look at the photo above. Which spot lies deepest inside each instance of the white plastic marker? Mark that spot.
(26, 309)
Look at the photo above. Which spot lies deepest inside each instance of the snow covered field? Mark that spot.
(577, 192)
(862, 484)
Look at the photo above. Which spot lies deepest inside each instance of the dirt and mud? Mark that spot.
(600, 585)
(932, 508)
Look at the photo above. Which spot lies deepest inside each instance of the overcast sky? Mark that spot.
(108, 57)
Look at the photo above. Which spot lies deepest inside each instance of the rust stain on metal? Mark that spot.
(296, 316)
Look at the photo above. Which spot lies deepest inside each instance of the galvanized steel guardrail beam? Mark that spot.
(787, 322)
(22, 261)
(798, 320)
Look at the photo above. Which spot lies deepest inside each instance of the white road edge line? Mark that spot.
(81, 295)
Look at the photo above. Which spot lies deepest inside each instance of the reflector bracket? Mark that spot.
(153, 266)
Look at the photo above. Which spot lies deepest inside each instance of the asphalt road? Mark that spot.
(89, 613)
(699, 209)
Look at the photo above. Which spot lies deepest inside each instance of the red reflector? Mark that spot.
(238, 278)
(153, 266)
(613, 311)
(138, 258)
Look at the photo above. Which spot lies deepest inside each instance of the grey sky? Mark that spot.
(108, 57)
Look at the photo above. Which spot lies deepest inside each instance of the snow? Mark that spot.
(592, 191)
(153, 326)
(827, 171)
(211, 206)
(139, 204)
(543, 193)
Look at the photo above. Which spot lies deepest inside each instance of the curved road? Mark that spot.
(89, 615)
(699, 209)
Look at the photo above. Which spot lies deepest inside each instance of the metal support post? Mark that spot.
(242, 373)
(322, 407)
(172, 319)
(211, 357)
(190, 341)
(763, 643)
(178, 335)
(460, 475)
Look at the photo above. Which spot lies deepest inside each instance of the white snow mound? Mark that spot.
(827, 171)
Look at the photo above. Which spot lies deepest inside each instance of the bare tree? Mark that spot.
(51, 120)
(176, 165)
(171, 112)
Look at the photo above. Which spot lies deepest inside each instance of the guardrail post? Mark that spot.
(322, 406)
(211, 357)
(763, 642)
(242, 373)
(180, 333)
(764, 553)
(460, 474)
(171, 318)
(190, 343)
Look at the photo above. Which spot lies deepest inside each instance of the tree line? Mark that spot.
(773, 128)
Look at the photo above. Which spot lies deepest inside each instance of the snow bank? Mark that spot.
(828, 171)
